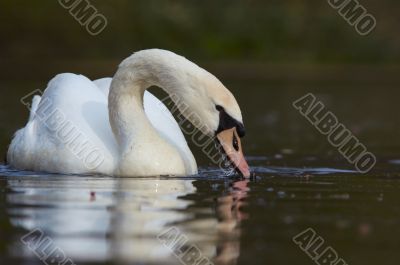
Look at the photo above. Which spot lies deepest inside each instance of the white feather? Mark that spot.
(70, 130)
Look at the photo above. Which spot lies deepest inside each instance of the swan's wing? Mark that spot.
(69, 129)
(162, 120)
(104, 85)
(35, 104)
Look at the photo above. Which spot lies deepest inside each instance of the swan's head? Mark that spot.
(213, 109)
(227, 124)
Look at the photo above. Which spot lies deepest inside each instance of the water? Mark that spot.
(300, 182)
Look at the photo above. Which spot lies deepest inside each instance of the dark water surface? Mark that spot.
(300, 182)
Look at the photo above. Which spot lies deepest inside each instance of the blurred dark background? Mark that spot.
(288, 31)
(269, 53)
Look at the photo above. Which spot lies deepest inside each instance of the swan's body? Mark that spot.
(40, 148)
(113, 126)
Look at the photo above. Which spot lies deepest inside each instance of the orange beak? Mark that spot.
(230, 142)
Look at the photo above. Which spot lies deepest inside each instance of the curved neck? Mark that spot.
(137, 73)
(126, 110)
(142, 149)
(127, 117)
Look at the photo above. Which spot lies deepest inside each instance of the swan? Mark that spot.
(115, 127)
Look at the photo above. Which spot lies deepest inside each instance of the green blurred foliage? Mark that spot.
(306, 31)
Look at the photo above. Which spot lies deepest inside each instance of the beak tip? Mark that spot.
(245, 170)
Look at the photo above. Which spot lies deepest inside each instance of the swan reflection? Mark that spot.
(97, 219)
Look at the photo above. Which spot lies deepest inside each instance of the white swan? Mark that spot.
(115, 127)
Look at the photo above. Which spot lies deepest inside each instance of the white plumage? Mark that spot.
(115, 127)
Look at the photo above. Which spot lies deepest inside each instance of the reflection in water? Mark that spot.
(105, 219)
(141, 210)
(113, 221)
(229, 209)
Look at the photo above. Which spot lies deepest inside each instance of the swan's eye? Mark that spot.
(235, 143)
(219, 108)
